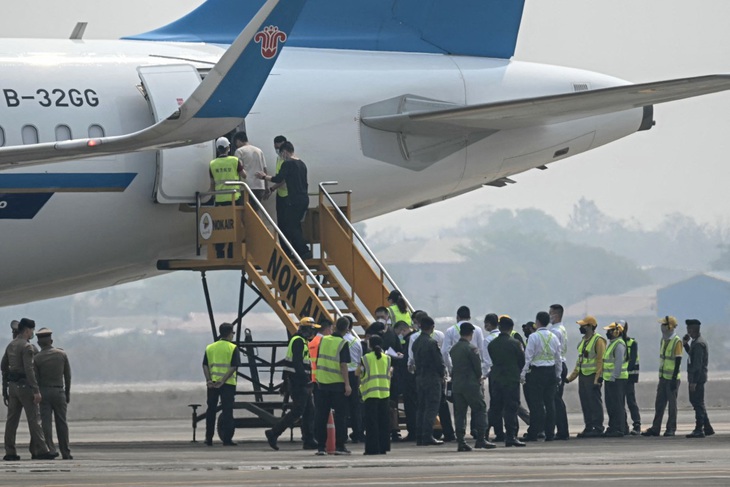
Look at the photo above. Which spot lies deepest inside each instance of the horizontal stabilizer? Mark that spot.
(423, 119)
(218, 104)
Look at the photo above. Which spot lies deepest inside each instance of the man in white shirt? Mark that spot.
(253, 161)
(542, 360)
(561, 414)
(354, 400)
(451, 337)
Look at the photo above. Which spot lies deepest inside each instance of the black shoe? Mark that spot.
(395, 437)
(11, 458)
(208, 442)
(321, 453)
(47, 456)
(513, 442)
(310, 445)
(307, 255)
(541, 436)
(669, 433)
(562, 438)
(592, 434)
(229, 443)
(484, 445)
(68, 457)
(271, 438)
(463, 447)
(636, 431)
(431, 441)
(528, 438)
(649, 432)
(695, 434)
(613, 434)
(342, 451)
(709, 431)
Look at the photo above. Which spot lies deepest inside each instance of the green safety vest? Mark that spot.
(608, 361)
(587, 365)
(225, 169)
(219, 356)
(282, 191)
(545, 354)
(375, 383)
(328, 360)
(396, 315)
(354, 340)
(629, 346)
(666, 358)
(289, 359)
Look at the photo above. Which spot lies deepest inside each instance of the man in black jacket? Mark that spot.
(430, 373)
(697, 377)
(632, 349)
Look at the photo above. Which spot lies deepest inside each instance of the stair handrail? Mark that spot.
(351, 227)
(288, 244)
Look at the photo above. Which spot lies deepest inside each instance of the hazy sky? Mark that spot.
(679, 165)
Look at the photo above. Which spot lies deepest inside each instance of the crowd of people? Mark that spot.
(403, 358)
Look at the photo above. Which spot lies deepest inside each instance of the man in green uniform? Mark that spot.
(219, 367)
(466, 382)
(23, 395)
(54, 380)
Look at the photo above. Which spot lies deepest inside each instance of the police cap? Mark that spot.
(44, 332)
(692, 322)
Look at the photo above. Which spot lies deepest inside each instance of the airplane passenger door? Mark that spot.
(182, 171)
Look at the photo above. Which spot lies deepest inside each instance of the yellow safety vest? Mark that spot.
(289, 359)
(545, 355)
(666, 358)
(375, 383)
(587, 364)
(608, 361)
(225, 169)
(629, 346)
(219, 356)
(282, 191)
(396, 315)
(328, 360)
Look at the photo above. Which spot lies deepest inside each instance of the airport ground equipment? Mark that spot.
(343, 277)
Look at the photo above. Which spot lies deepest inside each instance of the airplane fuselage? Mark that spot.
(86, 236)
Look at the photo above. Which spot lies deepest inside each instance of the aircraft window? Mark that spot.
(30, 134)
(96, 131)
(63, 132)
(2, 137)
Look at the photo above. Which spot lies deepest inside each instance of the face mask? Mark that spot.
(609, 334)
(582, 330)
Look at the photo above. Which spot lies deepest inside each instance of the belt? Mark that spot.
(54, 387)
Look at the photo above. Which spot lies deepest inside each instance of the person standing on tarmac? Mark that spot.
(4, 363)
(430, 377)
(589, 372)
(697, 377)
(220, 362)
(670, 361)
(467, 381)
(542, 360)
(561, 413)
(615, 376)
(632, 350)
(494, 415)
(54, 380)
(333, 382)
(294, 173)
(507, 359)
(23, 395)
(298, 376)
(374, 372)
(354, 401)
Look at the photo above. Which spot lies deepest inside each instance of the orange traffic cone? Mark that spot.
(331, 445)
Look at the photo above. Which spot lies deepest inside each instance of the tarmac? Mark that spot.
(160, 453)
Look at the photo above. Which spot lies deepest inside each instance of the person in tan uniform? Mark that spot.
(23, 394)
(54, 380)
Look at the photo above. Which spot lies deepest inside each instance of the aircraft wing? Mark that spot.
(217, 105)
(425, 117)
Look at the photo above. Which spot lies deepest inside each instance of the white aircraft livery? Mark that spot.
(104, 144)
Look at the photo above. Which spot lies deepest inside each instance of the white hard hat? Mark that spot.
(222, 142)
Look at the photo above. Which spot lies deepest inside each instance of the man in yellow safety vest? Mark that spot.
(615, 375)
(219, 367)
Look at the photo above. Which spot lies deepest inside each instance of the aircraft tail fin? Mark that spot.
(486, 28)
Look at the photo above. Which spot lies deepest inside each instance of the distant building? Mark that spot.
(704, 296)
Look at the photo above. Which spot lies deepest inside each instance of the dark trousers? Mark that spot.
(354, 407)
(429, 400)
(325, 401)
(280, 203)
(220, 248)
(447, 427)
(591, 402)
(506, 400)
(542, 384)
(665, 395)
(377, 426)
(410, 405)
(20, 398)
(615, 399)
(226, 393)
(53, 407)
(561, 413)
(632, 405)
(697, 399)
(494, 413)
(473, 399)
(290, 222)
(302, 406)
